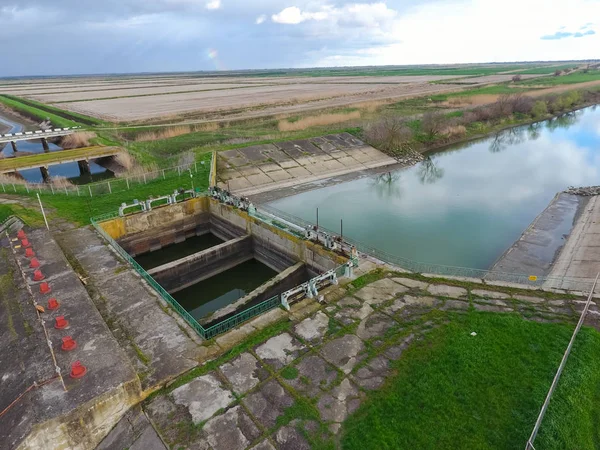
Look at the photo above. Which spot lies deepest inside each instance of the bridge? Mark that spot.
(13, 138)
(43, 160)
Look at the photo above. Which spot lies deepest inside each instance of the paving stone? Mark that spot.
(556, 302)
(314, 374)
(290, 438)
(381, 291)
(447, 291)
(313, 329)
(344, 352)
(395, 351)
(489, 294)
(375, 325)
(352, 311)
(336, 405)
(231, 431)
(529, 299)
(268, 403)
(373, 374)
(455, 304)
(203, 397)
(280, 350)
(409, 282)
(491, 301)
(264, 445)
(491, 308)
(244, 372)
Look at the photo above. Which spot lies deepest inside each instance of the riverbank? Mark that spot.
(535, 252)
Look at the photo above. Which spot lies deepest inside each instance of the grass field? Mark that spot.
(572, 78)
(40, 111)
(546, 69)
(454, 390)
(29, 216)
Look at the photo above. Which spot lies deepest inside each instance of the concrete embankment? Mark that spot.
(541, 243)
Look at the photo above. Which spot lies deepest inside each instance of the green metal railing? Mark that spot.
(206, 333)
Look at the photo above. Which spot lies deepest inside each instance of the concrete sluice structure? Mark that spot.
(244, 238)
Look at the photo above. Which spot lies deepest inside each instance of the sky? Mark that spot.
(61, 37)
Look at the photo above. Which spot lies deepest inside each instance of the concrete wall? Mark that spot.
(184, 272)
(86, 426)
(289, 278)
(275, 247)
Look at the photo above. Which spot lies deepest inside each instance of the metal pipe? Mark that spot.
(538, 422)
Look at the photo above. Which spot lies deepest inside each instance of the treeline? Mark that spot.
(396, 135)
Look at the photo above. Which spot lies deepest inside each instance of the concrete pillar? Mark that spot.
(45, 145)
(14, 146)
(84, 167)
(45, 174)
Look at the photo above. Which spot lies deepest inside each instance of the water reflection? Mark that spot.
(465, 206)
(387, 185)
(429, 173)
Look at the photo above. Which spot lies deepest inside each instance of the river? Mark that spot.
(466, 205)
(67, 170)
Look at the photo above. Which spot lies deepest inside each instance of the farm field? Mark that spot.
(222, 96)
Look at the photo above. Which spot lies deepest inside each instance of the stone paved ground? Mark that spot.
(295, 389)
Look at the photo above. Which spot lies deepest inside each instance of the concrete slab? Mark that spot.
(447, 291)
(268, 403)
(281, 350)
(264, 445)
(290, 438)
(313, 329)
(238, 184)
(352, 311)
(254, 153)
(121, 295)
(134, 431)
(203, 397)
(380, 291)
(248, 171)
(342, 401)
(314, 374)
(298, 172)
(374, 326)
(489, 294)
(324, 145)
(373, 375)
(259, 179)
(244, 373)
(280, 175)
(233, 430)
(288, 163)
(344, 352)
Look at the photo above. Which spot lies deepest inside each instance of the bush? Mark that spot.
(516, 78)
(433, 124)
(390, 134)
(540, 109)
(557, 73)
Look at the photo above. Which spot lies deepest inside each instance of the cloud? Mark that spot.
(293, 16)
(565, 34)
(260, 19)
(213, 4)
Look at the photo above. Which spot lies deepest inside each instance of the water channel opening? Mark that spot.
(212, 294)
(174, 252)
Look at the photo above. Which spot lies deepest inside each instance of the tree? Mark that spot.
(516, 78)
(557, 73)
(540, 109)
(432, 125)
(390, 134)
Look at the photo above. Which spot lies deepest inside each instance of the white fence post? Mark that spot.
(77, 186)
(144, 177)
(14, 188)
(52, 188)
(109, 189)
(3, 187)
(127, 181)
(164, 174)
(90, 189)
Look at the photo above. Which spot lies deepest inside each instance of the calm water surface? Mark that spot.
(467, 205)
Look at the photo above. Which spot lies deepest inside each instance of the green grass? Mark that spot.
(572, 78)
(453, 390)
(289, 373)
(29, 216)
(40, 111)
(498, 89)
(545, 69)
(80, 209)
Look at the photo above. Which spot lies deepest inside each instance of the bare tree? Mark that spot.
(432, 124)
(557, 73)
(186, 159)
(516, 78)
(390, 134)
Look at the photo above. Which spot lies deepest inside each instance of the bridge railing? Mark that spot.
(168, 178)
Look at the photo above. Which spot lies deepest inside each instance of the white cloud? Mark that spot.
(213, 4)
(293, 15)
(260, 19)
